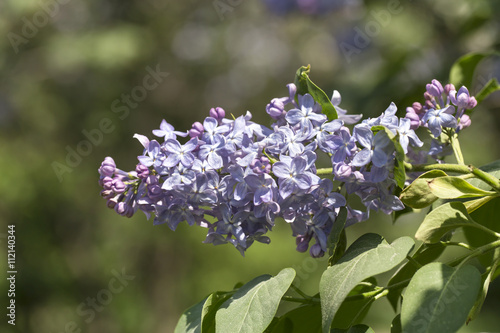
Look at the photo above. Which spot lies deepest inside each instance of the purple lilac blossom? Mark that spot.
(235, 177)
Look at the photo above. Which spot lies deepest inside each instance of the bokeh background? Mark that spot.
(67, 66)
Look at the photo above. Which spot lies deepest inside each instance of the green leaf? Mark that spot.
(472, 205)
(339, 249)
(338, 227)
(445, 218)
(210, 308)
(486, 279)
(425, 254)
(305, 85)
(486, 216)
(354, 329)
(439, 297)
(305, 318)
(490, 87)
(454, 187)
(253, 306)
(462, 71)
(190, 321)
(369, 255)
(352, 312)
(396, 324)
(418, 194)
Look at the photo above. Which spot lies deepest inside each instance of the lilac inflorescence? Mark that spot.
(235, 177)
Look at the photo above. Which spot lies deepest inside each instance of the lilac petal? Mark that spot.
(298, 164)
(294, 116)
(142, 139)
(303, 181)
(190, 145)
(209, 124)
(187, 159)
(172, 160)
(363, 135)
(362, 158)
(404, 141)
(172, 146)
(286, 188)
(379, 158)
(145, 160)
(215, 161)
(307, 101)
(281, 170)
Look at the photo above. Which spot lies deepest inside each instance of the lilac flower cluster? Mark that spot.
(443, 110)
(235, 177)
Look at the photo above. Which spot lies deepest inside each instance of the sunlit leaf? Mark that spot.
(253, 306)
(439, 298)
(369, 255)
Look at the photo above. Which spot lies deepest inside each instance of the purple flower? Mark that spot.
(406, 134)
(439, 118)
(342, 114)
(306, 115)
(342, 145)
(180, 154)
(108, 167)
(167, 131)
(292, 173)
(376, 148)
(263, 187)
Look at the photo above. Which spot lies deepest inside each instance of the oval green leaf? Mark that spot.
(190, 320)
(445, 218)
(439, 298)
(418, 194)
(253, 306)
(369, 255)
(454, 187)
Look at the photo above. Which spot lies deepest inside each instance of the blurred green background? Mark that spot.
(67, 65)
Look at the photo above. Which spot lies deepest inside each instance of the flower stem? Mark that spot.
(456, 148)
(456, 168)
(324, 171)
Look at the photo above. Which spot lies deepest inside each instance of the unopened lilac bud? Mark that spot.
(414, 118)
(108, 167)
(342, 171)
(107, 183)
(463, 98)
(142, 171)
(106, 194)
(217, 113)
(417, 107)
(316, 252)
(429, 104)
(292, 90)
(112, 202)
(276, 109)
(121, 208)
(472, 103)
(464, 122)
(448, 88)
(196, 130)
(118, 186)
(302, 243)
(428, 96)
